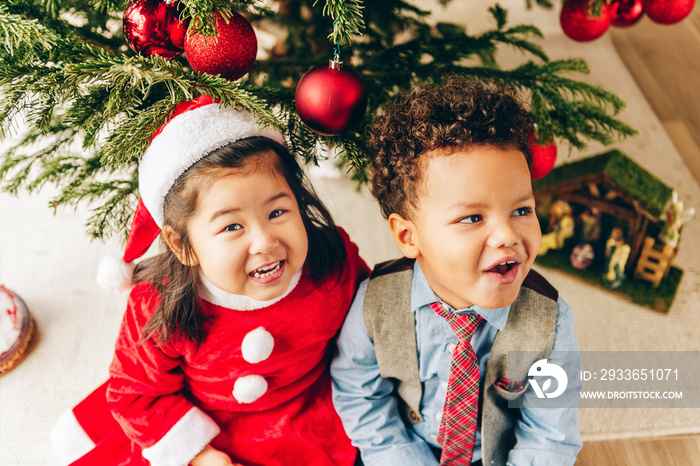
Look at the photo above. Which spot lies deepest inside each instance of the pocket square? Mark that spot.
(510, 385)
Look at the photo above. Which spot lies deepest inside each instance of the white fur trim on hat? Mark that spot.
(186, 139)
(257, 345)
(249, 388)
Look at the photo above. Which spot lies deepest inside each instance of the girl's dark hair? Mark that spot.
(179, 312)
(456, 114)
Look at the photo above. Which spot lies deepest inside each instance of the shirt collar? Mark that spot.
(423, 295)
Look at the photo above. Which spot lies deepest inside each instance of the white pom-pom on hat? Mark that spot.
(114, 274)
(194, 130)
(249, 388)
(257, 345)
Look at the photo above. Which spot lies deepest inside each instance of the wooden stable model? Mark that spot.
(625, 197)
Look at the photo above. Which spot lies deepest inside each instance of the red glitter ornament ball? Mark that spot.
(668, 11)
(625, 13)
(543, 157)
(580, 24)
(330, 99)
(153, 27)
(230, 53)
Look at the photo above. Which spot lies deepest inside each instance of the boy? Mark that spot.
(451, 174)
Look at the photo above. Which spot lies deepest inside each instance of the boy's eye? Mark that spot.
(522, 211)
(471, 219)
(276, 213)
(233, 227)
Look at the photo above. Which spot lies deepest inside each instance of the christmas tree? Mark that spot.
(90, 103)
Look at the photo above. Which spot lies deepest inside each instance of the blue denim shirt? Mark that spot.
(370, 411)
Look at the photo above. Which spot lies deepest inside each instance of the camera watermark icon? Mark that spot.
(541, 369)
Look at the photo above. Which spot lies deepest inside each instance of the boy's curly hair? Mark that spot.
(456, 114)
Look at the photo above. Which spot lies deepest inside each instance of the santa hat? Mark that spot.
(194, 130)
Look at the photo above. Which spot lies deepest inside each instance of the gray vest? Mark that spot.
(530, 326)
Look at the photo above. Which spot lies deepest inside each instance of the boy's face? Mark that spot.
(474, 231)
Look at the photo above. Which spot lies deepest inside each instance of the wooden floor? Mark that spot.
(665, 62)
(656, 451)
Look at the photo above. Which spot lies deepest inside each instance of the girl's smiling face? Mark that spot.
(247, 235)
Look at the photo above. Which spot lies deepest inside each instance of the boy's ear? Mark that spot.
(172, 239)
(405, 236)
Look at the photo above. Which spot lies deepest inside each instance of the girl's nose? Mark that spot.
(263, 241)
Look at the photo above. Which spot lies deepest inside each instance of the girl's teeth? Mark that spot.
(263, 272)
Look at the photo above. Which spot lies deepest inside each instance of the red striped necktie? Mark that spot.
(457, 432)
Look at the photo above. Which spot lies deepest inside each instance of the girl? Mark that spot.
(223, 351)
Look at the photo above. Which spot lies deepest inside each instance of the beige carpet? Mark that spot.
(50, 262)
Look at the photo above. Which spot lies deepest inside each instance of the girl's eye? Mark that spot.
(233, 227)
(522, 212)
(471, 219)
(276, 213)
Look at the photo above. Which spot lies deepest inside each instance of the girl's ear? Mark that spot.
(405, 236)
(172, 239)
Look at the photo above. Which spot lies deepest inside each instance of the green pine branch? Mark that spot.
(90, 104)
(21, 34)
(548, 4)
(543, 3)
(347, 20)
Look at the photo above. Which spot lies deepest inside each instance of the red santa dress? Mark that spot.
(257, 388)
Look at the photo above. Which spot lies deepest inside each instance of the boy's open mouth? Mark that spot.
(503, 267)
(267, 270)
(504, 273)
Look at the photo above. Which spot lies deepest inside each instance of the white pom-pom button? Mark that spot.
(257, 345)
(249, 388)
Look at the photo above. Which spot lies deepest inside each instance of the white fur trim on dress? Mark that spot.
(215, 295)
(249, 388)
(257, 345)
(69, 440)
(186, 139)
(184, 440)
